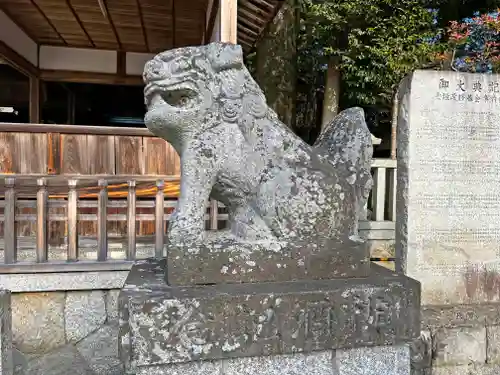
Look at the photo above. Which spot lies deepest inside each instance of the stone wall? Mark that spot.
(66, 329)
(458, 340)
(80, 327)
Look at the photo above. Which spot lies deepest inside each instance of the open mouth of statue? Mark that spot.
(182, 96)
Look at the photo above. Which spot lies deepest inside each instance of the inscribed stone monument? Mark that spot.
(448, 216)
(291, 274)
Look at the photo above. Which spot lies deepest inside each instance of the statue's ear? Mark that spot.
(223, 56)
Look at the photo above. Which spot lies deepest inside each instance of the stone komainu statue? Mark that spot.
(279, 191)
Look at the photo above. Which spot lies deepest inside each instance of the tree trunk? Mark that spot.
(276, 63)
(332, 94)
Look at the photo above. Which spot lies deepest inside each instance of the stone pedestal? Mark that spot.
(265, 328)
(381, 360)
(216, 262)
(288, 288)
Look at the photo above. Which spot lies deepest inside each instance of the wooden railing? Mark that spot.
(70, 257)
(45, 197)
(382, 202)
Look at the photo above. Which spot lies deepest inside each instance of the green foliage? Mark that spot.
(374, 43)
(475, 43)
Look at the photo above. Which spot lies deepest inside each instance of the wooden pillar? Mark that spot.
(71, 108)
(228, 21)
(34, 100)
(332, 93)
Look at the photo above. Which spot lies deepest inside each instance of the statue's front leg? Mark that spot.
(187, 223)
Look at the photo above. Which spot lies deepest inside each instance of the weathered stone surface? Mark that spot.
(453, 370)
(382, 360)
(161, 324)
(319, 363)
(493, 347)
(20, 362)
(460, 346)
(65, 361)
(422, 371)
(295, 203)
(450, 232)
(47, 282)
(112, 304)
(236, 262)
(38, 321)
(470, 369)
(84, 313)
(347, 140)
(451, 316)
(6, 359)
(100, 350)
(191, 368)
(421, 351)
(359, 361)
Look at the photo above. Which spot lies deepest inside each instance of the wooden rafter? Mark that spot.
(17, 61)
(255, 11)
(189, 22)
(254, 17)
(277, 8)
(107, 16)
(245, 23)
(262, 3)
(49, 22)
(87, 77)
(245, 39)
(143, 27)
(247, 30)
(79, 21)
(8, 13)
(251, 19)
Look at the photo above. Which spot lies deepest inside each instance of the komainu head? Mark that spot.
(195, 88)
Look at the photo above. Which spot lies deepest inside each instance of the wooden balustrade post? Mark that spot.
(10, 227)
(72, 221)
(214, 215)
(102, 221)
(392, 186)
(378, 194)
(131, 223)
(159, 216)
(42, 197)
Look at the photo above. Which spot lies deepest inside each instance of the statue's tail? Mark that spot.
(348, 142)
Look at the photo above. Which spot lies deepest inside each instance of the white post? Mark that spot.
(378, 194)
(228, 21)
